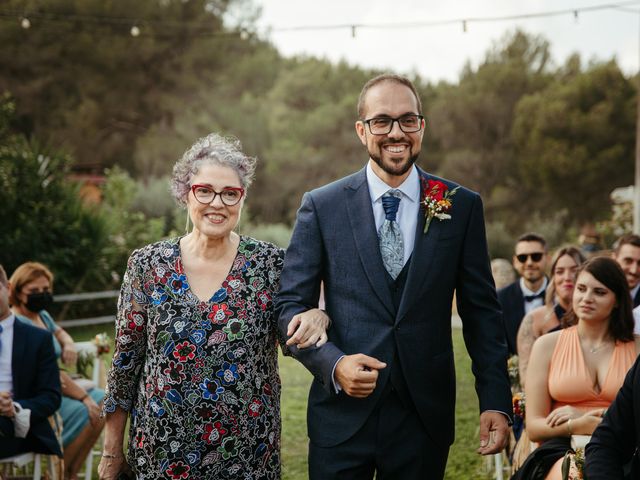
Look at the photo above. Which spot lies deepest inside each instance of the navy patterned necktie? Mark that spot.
(390, 235)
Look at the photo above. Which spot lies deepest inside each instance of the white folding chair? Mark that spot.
(22, 460)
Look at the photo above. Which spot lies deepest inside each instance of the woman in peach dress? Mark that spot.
(575, 373)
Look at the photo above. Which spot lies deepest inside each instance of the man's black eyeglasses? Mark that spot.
(383, 125)
(536, 257)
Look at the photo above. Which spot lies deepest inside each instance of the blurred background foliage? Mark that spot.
(544, 144)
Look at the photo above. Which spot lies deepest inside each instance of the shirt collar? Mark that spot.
(528, 292)
(410, 188)
(9, 321)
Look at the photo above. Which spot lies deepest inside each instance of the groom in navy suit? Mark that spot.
(391, 244)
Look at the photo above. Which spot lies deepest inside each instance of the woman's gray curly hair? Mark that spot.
(216, 150)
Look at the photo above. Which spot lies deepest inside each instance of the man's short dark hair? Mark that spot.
(386, 77)
(532, 237)
(3, 276)
(628, 239)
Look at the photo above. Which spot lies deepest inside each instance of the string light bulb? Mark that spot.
(135, 31)
(25, 23)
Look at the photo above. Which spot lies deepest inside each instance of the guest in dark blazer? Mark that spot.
(612, 453)
(29, 384)
(390, 256)
(627, 254)
(528, 292)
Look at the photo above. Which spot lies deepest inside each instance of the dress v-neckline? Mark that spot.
(216, 292)
(597, 387)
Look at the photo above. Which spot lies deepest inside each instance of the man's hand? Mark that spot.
(7, 409)
(310, 328)
(357, 374)
(494, 433)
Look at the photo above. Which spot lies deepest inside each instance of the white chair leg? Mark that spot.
(37, 466)
(497, 458)
(88, 465)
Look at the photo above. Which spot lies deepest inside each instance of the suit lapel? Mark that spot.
(424, 250)
(18, 355)
(363, 226)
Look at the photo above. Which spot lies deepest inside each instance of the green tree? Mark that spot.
(575, 142)
(85, 84)
(42, 216)
(472, 120)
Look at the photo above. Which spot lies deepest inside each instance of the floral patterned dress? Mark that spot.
(200, 379)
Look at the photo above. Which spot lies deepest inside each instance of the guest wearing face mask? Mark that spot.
(31, 296)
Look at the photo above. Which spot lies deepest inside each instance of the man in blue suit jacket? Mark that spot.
(383, 394)
(29, 384)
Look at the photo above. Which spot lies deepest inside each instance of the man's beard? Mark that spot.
(391, 171)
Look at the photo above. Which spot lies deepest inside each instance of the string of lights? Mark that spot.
(137, 25)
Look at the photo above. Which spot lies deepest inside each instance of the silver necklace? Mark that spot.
(595, 349)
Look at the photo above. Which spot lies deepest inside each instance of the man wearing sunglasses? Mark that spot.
(519, 298)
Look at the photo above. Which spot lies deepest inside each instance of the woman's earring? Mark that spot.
(186, 226)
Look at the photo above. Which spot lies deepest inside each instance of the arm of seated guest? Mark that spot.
(538, 398)
(69, 352)
(72, 390)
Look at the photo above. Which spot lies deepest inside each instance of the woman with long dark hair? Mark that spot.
(575, 373)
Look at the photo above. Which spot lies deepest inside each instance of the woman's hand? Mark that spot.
(69, 354)
(111, 466)
(310, 328)
(562, 414)
(587, 423)
(93, 409)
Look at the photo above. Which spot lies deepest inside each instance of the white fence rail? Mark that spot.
(77, 297)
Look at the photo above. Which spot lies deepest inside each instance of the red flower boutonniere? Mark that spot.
(436, 201)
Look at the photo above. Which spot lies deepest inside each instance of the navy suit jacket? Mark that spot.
(617, 439)
(36, 383)
(512, 301)
(335, 241)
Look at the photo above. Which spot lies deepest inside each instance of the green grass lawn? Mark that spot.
(463, 464)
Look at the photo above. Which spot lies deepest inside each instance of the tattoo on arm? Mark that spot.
(526, 338)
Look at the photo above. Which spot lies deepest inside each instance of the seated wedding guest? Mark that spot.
(612, 453)
(196, 361)
(549, 317)
(575, 373)
(530, 260)
(31, 296)
(29, 384)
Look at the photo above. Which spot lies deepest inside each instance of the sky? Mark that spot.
(440, 52)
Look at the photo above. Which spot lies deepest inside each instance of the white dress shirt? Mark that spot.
(636, 317)
(6, 350)
(407, 215)
(538, 302)
(22, 419)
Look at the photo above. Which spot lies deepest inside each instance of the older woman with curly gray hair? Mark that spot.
(195, 364)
